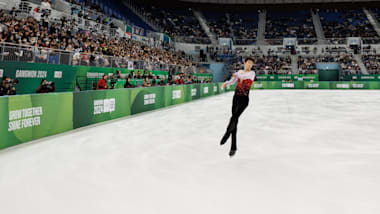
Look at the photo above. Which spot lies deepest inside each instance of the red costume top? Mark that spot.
(244, 82)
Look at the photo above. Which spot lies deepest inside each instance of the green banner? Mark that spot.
(293, 77)
(315, 85)
(97, 106)
(363, 77)
(30, 117)
(65, 77)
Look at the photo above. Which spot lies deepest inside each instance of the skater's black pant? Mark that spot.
(239, 104)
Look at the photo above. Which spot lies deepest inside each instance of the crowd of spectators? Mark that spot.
(219, 24)
(175, 22)
(270, 64)
(89, 49)
(244, 25)
(90, 11)
(239, 26)
(342, 23)
(297, 24)
(372, 63)
(149, 79)
(307, 65)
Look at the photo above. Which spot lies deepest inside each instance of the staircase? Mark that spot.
(261, 27)
(230, 25)
(318, 28)
(359, 60)
(372, 20)
(206, 28)
(294, 59)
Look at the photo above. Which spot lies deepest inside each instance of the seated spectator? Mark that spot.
(162, 82)
(188, 81)
(85, 59)
(132, 75)
(146, 82)
(179, 80)
(117, 75)
(128, 83)
(150, 76)
(139, 76)
(145, 75)
(102, 84)
(154, 80)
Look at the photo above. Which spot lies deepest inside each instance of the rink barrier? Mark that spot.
(34, 116)
(316, 85)
(30, 117)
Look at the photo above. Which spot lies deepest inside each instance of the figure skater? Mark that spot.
(244, 79)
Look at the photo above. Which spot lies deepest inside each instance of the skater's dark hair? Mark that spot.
(248, 58)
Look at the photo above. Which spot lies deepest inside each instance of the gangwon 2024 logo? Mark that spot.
(193, 92)
(176, 94)
(24, 118)
(149, 99)
(287, 85)
(104, 106)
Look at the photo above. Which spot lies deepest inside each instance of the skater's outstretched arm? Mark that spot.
(233, 80)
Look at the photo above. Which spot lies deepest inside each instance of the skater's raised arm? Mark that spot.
(233, 80)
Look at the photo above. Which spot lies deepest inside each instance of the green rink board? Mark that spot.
(316, 85)
(33, 116)
(293, 77)
(30, 117)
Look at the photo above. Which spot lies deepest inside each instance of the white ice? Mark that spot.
(299, 152)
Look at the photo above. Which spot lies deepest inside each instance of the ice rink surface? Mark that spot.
(299, 152)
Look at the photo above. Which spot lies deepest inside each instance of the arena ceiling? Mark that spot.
(262, 2)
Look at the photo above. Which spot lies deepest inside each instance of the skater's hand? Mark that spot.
(224, 85)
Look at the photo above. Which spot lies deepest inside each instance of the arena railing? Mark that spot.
(31, 54)
(244, 41)
(277, 42)
(193, 40)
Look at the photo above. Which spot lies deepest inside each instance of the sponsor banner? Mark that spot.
(147, 99)
(30, 117)
(369, 77)
(287, 85)
(293, 77)
(92, 107)
(207, 89)
(195, 91)
(178, 94)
